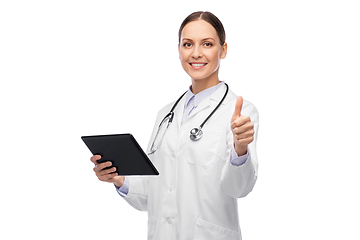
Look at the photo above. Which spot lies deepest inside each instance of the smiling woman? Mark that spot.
(200, 56)
(203, 174)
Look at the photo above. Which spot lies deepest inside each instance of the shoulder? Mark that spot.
(248, 107)
(165, 110)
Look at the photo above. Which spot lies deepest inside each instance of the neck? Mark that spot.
(198, 85)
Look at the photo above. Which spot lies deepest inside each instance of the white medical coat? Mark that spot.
(195, 195)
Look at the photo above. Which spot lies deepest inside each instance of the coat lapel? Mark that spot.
(211, 101)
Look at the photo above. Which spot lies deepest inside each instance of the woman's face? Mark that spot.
(200, 50)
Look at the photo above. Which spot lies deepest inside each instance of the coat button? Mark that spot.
(169, 220)
(171, 188)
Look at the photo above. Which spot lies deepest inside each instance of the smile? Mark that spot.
(197, 65)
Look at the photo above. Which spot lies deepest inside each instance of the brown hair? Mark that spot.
(208, 17)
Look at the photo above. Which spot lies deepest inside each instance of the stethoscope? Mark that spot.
(195, 133)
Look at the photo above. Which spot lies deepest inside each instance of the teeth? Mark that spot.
(198, 64)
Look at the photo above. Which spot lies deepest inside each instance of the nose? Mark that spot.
(196, 52)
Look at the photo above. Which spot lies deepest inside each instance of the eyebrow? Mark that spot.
(208, 38)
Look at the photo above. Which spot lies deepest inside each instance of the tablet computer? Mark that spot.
(123, 151)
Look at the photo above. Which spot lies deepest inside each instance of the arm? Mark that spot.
(238, 181)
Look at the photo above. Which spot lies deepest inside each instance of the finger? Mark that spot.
(107, 177)
(242, 127)
(244, 141)
(240, 121)
(95, 158)
(106, 171)
(246, 134)
(238, 107)
(101, 166)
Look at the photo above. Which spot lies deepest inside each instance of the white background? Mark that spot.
(73, 68)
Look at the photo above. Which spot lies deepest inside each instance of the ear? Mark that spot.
(179, 50)
(223, 51)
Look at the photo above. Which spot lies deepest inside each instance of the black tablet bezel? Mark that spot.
(123, 151)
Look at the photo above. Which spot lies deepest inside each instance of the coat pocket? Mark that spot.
(151, 228)
(204, 151)
(204, 230)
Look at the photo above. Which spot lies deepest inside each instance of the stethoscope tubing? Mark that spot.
(196, 131)
(222, 100)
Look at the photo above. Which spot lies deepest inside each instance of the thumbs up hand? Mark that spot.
(242, 128)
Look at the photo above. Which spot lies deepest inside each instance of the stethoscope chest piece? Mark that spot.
(196, 134)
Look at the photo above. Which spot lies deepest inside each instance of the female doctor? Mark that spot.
(204, 148)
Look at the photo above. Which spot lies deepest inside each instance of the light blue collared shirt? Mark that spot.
(191, 102)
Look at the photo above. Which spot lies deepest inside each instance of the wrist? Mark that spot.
(119, 181)
(240, 150)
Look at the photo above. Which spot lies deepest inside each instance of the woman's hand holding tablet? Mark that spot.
(106, 173)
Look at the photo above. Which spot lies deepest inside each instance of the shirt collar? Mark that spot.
(201, 95)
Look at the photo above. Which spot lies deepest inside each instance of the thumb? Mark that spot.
(238, 107)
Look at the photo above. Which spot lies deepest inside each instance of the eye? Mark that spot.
(187, 44)
(207, 44)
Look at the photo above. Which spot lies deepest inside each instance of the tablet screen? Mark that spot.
(123, 151)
